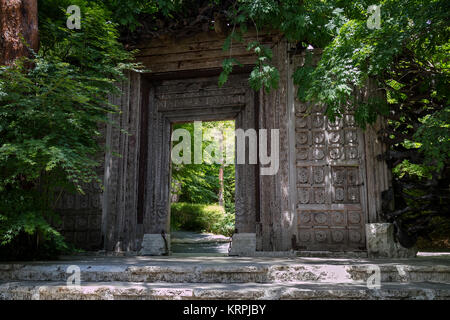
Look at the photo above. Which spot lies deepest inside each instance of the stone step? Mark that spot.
(228, 270)
(249, 291)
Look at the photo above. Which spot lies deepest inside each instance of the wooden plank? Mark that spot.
(200, 41)
(267, 183)
(120, 197)
(209, 53)
(250, 169)
(274, 190)
(285, 219)
(123, 151)
(132, 163)
(215, 62)
(292, 94)
(150, 186)
(378, 174)
(143, 153)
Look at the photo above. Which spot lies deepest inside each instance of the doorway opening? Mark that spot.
(202, 187)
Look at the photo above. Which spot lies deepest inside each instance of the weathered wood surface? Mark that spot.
(331, 178)
(274, 228)
(119, 219)
(197, 52)
(339, 180)
(379, 177)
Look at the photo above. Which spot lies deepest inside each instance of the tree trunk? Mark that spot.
(18, 29)
(221, 188)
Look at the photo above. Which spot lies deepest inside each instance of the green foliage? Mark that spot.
(199, 183)
(416, 170)
(51, 107)
(126, 12)
(434, 137)
(229, 177)
(227, 66)
(406, 59)
(201, 218)
(263, 74)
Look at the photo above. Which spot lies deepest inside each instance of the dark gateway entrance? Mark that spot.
(192, 99)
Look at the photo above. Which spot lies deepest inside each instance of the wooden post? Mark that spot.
(221, 188)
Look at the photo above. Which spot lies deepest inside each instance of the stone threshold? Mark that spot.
(332, 254)
(229, 270)
(248, 291)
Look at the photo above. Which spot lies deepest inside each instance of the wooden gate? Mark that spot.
(330, 177)
(183, 100)
(330, 181)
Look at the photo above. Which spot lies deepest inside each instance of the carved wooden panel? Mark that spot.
(195, 99)
(330, 178)
(81, 217)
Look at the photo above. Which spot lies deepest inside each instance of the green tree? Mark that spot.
(200, 183)
(50, 115)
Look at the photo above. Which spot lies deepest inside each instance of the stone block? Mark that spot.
(381, 242)
(243, 244)
(153, 244)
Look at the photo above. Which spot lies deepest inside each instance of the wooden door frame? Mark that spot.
(160, 110)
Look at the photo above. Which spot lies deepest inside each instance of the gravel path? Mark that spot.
(187, 242)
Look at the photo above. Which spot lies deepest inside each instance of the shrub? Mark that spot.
(201, 218)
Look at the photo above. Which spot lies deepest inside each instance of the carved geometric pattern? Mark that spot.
(318, 174)
(303, 195)
(302, 153)
(302, 137)
(345, 185)
(301, 122)
(351, 136)
(335, 153)
(349, 120)
(335, 137)
(81, 217)
(321, 235)
(337, 218)
(333, 227)
(354, 217)
(329, 180)
(318, 137)
(338, 236)
(303, 175)
(319, 195)
(321, 218)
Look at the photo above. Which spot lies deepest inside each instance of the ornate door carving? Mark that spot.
(330, 177)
